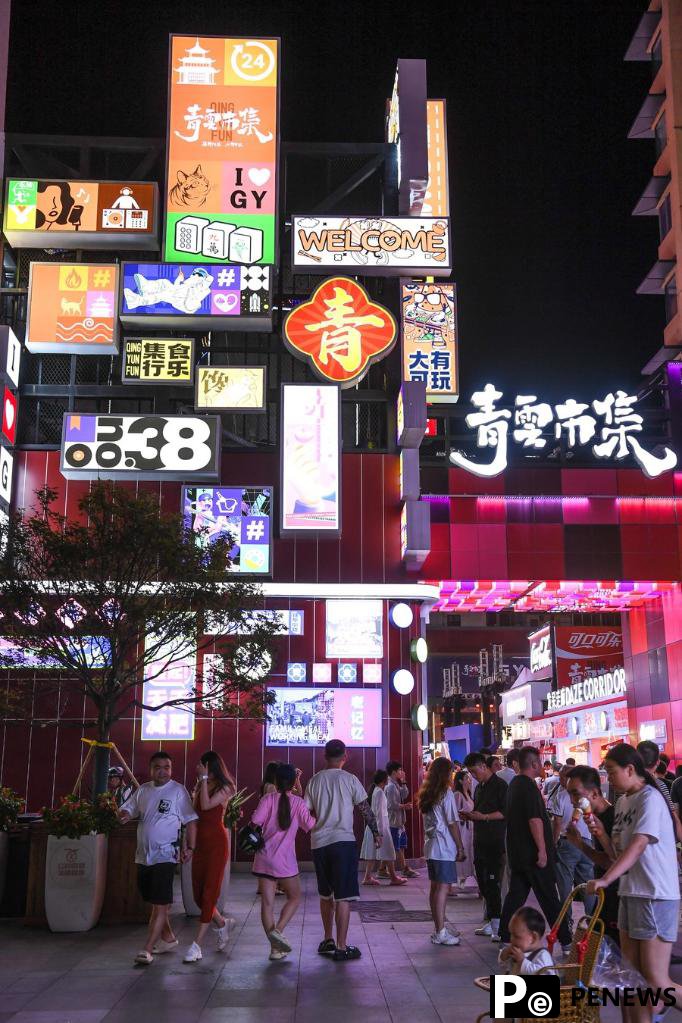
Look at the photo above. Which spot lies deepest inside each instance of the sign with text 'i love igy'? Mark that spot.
(221, 174)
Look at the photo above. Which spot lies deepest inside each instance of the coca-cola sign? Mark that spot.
(585, 652)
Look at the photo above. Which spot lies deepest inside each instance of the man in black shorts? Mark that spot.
(162, 807)
(331, 796)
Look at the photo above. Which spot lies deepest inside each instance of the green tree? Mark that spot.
(121, 593)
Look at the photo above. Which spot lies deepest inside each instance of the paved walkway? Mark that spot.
(401, 978)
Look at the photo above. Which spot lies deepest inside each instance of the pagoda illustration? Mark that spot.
(196, 67)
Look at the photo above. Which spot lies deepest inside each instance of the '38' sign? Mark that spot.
(140, 447)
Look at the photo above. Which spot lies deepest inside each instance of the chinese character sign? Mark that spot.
(238, 514)
(72, 309)
(608, 426)
(371, 245)
(310, 453)
(169, 675)
(222, 150)
(310, 717)
(585, 651)
(429, 338)
(158, 360)
(340, 330)
(231, 388)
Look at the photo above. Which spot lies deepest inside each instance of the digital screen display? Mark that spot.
(311, 717)
(354, 628)
(310, 454)
(241, 513)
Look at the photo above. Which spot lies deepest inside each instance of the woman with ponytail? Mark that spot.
(643, 844)
(280, 815)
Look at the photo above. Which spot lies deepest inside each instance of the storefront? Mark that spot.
(521, 703)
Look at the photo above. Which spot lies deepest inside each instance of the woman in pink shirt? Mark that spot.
(280, 815)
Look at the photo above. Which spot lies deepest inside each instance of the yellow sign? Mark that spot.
(231, 388)
(437, 199)
(158, 360)
(429, 338)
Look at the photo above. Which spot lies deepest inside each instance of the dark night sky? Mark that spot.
(543, 179)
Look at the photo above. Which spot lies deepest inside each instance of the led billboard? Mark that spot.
(242, 514)
(310, 717)
(310, 454)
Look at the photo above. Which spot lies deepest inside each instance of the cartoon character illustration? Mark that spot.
(55, 205)
(184, 293)
(125, 201)
(191, 189)
(429, 314)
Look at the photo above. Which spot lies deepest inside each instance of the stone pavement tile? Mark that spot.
(350, 997)
(156, 1002)
(186, 1015)
(14, 1002)
(262, 997)
(60, 1016)
(332, 1014)
(246, 1014)
(35, 981)
(63, 1000)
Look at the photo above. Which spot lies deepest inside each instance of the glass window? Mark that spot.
(670, 294)
(664, 217)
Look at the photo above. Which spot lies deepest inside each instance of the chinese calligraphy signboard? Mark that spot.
(609, 426)
(341, 331)
(140, 447)
(171, 675)
(241, 514)
(72, 309)
(310, 459)
(222, 150)
(230, 388)
(81, 214)
(429, 339)
(372, 245)
(210, 296)
(158, 360)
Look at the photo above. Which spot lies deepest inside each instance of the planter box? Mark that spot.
(191, 908)
(75, 878)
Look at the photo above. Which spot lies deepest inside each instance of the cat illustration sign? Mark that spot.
(222, 150)
(81, 214)
(72, 309)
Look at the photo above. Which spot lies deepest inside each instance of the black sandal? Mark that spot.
(326, 947)
(342, 955)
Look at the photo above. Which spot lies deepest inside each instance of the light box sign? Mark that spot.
(593, 689)
(231, 388)
(6, 474)
(372, 245)
(210, 296)
(429, 339)
(585, 650)
(241, 513)
(411, 414)
(222, 150)
(10, 356)
(311, 717)
(47, 213)
(290, 623)
(415, 534)
(95, 652)
(541, 664)
(158, 360)
(140, 447)
(354, 628)
(72, 309)
(437, 199)
(409, 474)
(310, 453)
(406, 127)
(170, 676)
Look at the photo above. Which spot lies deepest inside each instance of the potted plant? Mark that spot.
(10, 808)
(76, 861)
(233, 813)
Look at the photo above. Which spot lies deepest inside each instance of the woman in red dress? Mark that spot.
(214, 787)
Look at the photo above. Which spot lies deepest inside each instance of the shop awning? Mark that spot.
(648, 201)
(642, 126)
(653, 282)
(639, 47)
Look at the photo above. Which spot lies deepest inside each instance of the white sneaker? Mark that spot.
(495, 928)
(165, 946)
(193, 954)
(485, 931)
(452, 928)
(223, 936)
(444, 938)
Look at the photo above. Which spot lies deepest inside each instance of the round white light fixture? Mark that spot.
(575, 725)
(403, 681)
(603, 720)
(401, 616)
(419, 650)
(419, 716)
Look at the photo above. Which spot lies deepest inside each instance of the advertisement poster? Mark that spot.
(354, 628)
(460, 673)
(140, 447)
(429, 338)
(222, 150)
(72, 309)
(170, 676)
(584, 651)
(310, 717)
(95, 651)
(158, 360)
(231, 388)
(399, 246)
(310, 453)
(240, 513)
(81, 214)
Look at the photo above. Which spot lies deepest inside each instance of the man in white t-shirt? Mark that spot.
(331, 796)
(162, 807)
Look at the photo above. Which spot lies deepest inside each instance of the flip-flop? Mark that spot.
(372, 882)
(326, 947)
(398, 883)
(144, 958)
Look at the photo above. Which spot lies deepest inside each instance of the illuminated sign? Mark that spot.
(42, 214)
(654, 731)
(586, 650)
(541, 651)
(409, 474)
(415, 534)
(429, 340)
(140, 447)
(406, 127)
(231, 388)
(601, 687)
(72, 309)
(10, 355)
(310, 454)
(10, 414)
(341, 331)
(411, 414)
(437, 199)
(158, 360)
(215, 296)
(611, 430)
(222, 150)
(354, 628)
(372, 245)
(6, 472)
(240, 514)
(170, 676)
(94, 651)
(311, 717)
(290, 623)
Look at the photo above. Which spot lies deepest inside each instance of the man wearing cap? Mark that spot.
(331, 795)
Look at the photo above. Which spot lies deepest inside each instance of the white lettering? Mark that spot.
(590, 690)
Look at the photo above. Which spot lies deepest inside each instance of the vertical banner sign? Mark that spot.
(171, 675)
(429, 338)
(221, 175)
(310, 453)
(437, 198)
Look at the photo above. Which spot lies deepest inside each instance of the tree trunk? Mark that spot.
(101, 760)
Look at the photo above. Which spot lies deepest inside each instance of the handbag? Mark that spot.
(250, 838)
